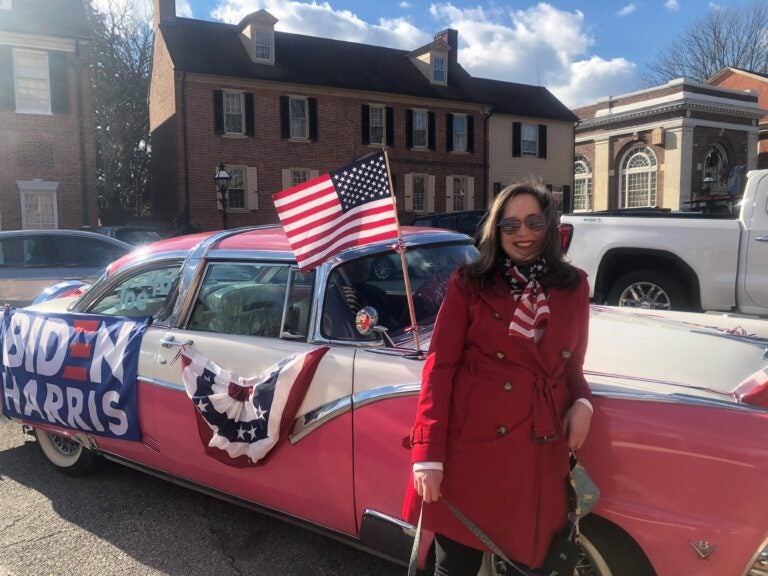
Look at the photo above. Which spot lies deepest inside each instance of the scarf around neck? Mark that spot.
(532, 308)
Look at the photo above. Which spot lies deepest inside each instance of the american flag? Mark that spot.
(246, 417)
(348, 207)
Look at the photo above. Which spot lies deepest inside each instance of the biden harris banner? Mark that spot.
(72, 370)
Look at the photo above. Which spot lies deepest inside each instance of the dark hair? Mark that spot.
(484, 269)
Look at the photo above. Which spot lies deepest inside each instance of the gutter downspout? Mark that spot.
(486, 164)
(184, 139)
(573, 177)
(81, 136)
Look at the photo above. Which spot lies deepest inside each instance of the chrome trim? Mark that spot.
(272, 256)
(607, 391)
(408, 529)
(384, 393)
(758, 564)
(313, 419)
(162, 384)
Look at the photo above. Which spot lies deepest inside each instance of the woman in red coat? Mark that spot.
(504, 364)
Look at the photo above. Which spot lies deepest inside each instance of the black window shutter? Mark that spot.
(542, 140)
(567, 200)
(431, 130)
(59, 75)
(449, 132)
(365, 122)
(7, 95)
(218, 112)
(285, 120)
(390, 119)
(250, 123)
(312, 105)
(470, 133)
(516, 135)
(409, 128)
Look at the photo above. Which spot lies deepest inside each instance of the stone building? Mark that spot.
(664, 146)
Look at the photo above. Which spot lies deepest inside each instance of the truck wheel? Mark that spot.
(65, 455)
(647, 289)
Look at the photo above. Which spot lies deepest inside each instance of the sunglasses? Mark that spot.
(532, 222)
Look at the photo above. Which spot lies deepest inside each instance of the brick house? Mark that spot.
(738, 79)
(664, 146)
(47, 142)
(280, 108)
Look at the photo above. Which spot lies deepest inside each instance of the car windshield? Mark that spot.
(363, 282)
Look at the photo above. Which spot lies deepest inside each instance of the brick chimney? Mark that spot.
(450, 36)
(163, 10)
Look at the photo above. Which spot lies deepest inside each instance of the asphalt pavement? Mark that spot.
(121, 522)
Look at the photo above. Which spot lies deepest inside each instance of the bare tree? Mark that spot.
(725, 36)
(122, 56)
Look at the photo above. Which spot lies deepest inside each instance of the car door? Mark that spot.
(27, 267)
(756, 262)
(241, 320)
(85, 257)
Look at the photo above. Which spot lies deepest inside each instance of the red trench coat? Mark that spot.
(482, 396)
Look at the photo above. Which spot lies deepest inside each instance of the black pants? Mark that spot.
(455, 559)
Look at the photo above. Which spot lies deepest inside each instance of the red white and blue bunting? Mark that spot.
(247, 417)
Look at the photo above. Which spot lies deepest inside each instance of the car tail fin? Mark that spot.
(566, 235)
(754, 390)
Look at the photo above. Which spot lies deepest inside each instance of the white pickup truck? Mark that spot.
(677, 260)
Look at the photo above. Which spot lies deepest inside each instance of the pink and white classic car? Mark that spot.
(679, 445)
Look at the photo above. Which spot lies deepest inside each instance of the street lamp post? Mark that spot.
(222, 179)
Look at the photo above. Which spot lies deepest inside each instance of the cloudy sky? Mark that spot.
(580, 50)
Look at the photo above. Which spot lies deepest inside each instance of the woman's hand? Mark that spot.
(427, 484)
(576, 424)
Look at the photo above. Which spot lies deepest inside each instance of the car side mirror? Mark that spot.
(366, 320)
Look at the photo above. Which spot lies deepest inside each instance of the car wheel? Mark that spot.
(383, 268)
(649, 290)
(66, 455)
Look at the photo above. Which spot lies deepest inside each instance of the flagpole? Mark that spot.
(400, 248)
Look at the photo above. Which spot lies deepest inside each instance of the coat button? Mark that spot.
(565, 353)
(496, 315)
(501, 430)
(499, 355)
(507, 386)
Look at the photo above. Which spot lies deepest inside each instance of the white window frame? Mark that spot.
(425, 114)
(38, 187)
(243, 170)
(439, 72)
(523, 140)
(44, 76)
(582, 185)
(300, 175)
(425, 178)
(629, 174)
(304, 133)
(460, 192)
(241, 97)
(270, 37)
(383, 124)
(462, 146)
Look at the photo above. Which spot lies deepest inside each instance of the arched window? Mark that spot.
(716, 170)
(582, 185)
(638, 178)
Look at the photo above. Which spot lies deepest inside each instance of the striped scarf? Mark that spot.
(532, 308)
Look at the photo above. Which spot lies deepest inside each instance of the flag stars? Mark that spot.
(260, 413)
(202, 405)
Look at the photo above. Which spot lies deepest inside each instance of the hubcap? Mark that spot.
(64, 445)
(382, 269)
(645, 295)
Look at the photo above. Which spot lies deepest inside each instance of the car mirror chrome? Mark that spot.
(366, 320)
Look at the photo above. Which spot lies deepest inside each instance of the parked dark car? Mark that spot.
(32, 260)
(468, 222)
(134, 235)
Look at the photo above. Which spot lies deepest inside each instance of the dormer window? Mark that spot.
(438, 69)
(262, 45)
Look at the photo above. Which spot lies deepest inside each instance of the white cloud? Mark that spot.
(184, 9)
(321, 19)
(672, 5)
(628, 9)
(404, 4)
(538, 45)
(142, 9)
